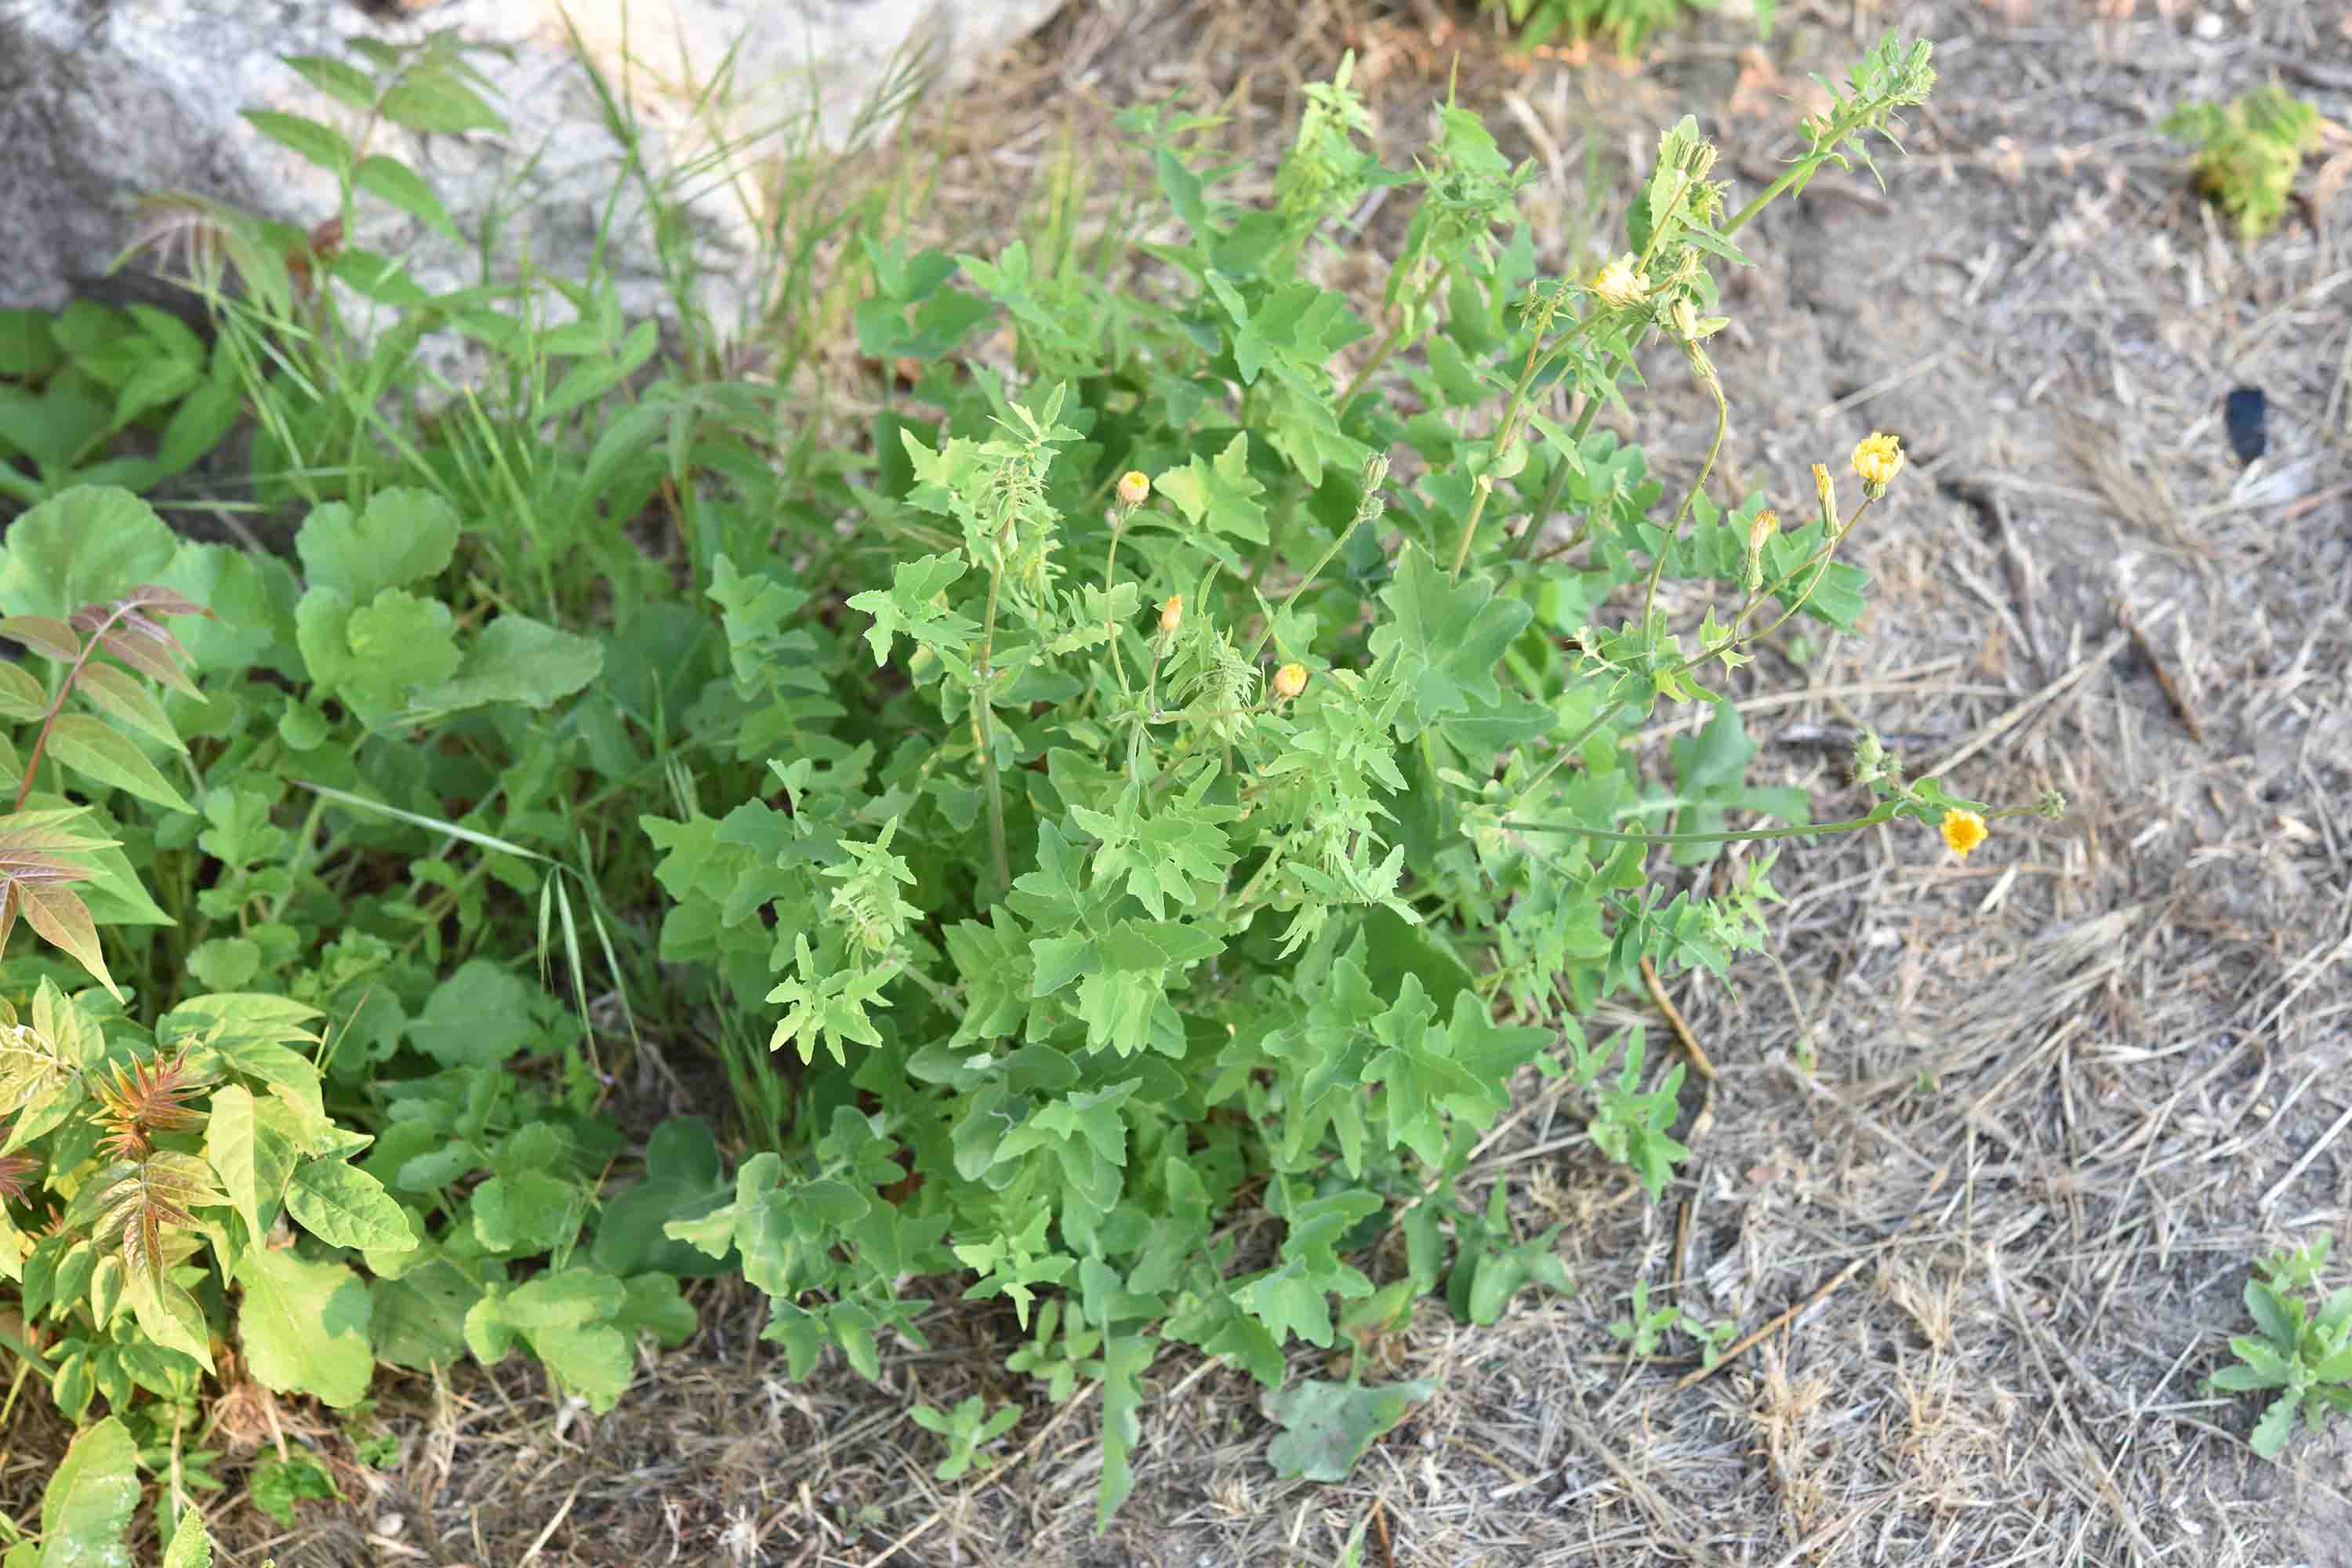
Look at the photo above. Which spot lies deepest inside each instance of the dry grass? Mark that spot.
(2060, 1096)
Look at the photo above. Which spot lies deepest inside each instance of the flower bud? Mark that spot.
(1761, 528)
(1172, 614)
(1878, 459)
(1134, 487)
(1827, 490)
(1289, 681)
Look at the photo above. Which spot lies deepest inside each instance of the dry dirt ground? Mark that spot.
(2060, 1096)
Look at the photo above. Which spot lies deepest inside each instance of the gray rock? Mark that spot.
(102, 101)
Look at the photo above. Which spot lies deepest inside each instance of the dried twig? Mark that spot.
(1691, 1047)
(2172, 692)
(1748, 1342)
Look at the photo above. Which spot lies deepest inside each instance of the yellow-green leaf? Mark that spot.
(93, 747)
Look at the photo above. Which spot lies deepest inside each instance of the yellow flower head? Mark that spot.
(1289, 681)
(1963, 831)
(1761, 527)
(1878, 460)
(1172, 614)
(1620, 285)
(1825, 487)
(1134, 487)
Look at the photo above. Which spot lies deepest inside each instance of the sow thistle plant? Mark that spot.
(1219, 826)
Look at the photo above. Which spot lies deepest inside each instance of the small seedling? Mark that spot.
(968, 1428)
(1647, 1326)
(2248, 153)
(2306, 1355)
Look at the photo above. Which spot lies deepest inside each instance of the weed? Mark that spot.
(2248, 151)
(2304, 1349)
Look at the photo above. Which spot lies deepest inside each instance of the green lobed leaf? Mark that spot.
(402, 536)
(1328, 1426)
(304, 1327)
(90, 545)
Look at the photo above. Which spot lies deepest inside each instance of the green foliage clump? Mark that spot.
(2302, 1354)
(2248, 151)
(1158, 792)
(1628, 23)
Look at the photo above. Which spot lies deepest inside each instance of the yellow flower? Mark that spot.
(1760, 529)
(1878, 460)
(1134, 487)
(1619, 285)
(1289, 680)
(1172, 614)
(1826, 488)
(1963, 831)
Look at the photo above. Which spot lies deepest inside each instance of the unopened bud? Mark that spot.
(1289, 681)
(1760, 529)
(1827, 490)
(1134, 487)
(1172, 614)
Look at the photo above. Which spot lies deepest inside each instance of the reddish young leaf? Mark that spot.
(148, 649)
(43, 635)
(63, 922)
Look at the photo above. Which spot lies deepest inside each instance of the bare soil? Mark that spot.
(2058, 1099)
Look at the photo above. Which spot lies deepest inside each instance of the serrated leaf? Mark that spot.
(304, 1326)
(437, 98)
(87, 546)
(339, 80)
(1125, 1358)
(137, 1204)
(1220, 495)
(2277, 1425)
(402, 536)
(478, 1016)
(86, 1509)
(169, 1315)
(51, 638)
(682, 1182)
(305, 138)
(191, 1547)
(396, 183)
(1445, 638)
(910, 606)
(230, 1134)
(419, 1320)
(63, 921)
(519, 660)
(96, 748)
(115, 693)
(347, 1207)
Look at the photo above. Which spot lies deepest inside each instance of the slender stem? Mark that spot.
(1110, 582)
(1884, 812)
(1504, 437)
(982, 723)
(1658, 566)
(1389, 346)
(1302, 584)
